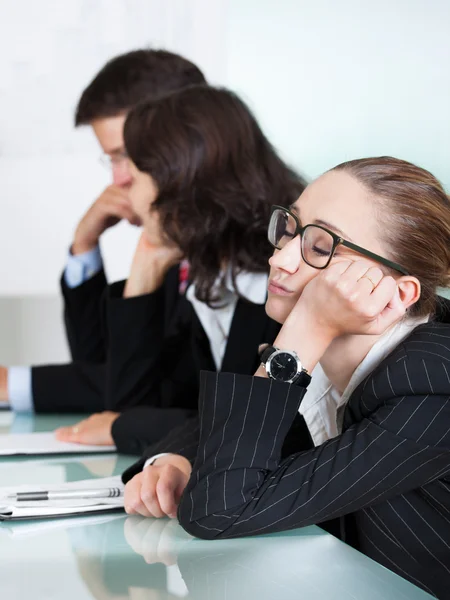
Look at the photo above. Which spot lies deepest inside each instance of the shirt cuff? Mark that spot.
(82, 267)
(20, 390)
(152, 459)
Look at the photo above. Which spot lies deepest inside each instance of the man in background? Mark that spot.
(103, 105)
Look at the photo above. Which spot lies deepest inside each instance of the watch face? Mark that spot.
(283, 366)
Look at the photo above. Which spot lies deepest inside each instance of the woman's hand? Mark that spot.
(156, 491)
(95, 430)
(149, 267)
(346, 298)
(352, 298)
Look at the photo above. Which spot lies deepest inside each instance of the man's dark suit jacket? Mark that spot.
(142, 358)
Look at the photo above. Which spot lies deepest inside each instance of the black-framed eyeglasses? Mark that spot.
(318, 244)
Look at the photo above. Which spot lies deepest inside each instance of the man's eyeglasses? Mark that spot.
(114, 160)
(318, 244)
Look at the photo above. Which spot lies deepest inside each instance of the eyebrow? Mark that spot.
(333, 228)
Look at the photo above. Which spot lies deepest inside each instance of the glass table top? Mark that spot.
(116, 557)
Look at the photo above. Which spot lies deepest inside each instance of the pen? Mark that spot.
(66, 495)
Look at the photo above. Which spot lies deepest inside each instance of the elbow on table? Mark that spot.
(208, 527)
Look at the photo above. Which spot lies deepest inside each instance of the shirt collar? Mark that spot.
(251, 286)
(322, 402)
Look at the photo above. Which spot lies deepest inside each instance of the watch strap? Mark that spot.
(303, 379)
(267, 353)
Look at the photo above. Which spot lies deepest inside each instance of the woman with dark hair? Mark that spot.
(361, 359)
(203, 180)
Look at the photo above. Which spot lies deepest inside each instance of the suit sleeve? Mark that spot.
(83, 318)
(241, 485)
(182, 440)
(135, 342)
(139, 427)
(69, 388)
(150, 359)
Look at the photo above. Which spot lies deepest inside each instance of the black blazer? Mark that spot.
(78, 386)
(387, 474)
(155, 348)
(84, 318)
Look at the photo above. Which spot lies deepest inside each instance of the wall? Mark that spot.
(50, 173)
(332, 81)
(328, 80)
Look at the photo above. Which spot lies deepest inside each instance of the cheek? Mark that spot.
(139, 203)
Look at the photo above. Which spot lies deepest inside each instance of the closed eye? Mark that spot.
(320, 251)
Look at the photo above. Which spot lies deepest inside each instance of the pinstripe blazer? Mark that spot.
(387, 475)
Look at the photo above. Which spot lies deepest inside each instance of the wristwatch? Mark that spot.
(284, 365)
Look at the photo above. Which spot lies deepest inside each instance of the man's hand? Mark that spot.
(110, 208)
(96, 430)
(156, 492)
(3, 384)
(150, 265)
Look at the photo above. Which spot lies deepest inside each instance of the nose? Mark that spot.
(288, 258)
(121, 174)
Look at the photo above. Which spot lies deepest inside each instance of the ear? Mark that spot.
(409, 289)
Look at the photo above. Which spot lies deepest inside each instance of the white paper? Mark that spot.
(16, 444)
(56, 508)
(28, 529)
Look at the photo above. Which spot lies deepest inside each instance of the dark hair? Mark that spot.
(217, 178)
(129, 78)
(416, 220)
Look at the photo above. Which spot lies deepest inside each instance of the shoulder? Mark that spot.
(430, 342)
(418, 367)
(421, 363)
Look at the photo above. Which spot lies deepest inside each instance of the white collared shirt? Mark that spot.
(217, 321)
(323, 406)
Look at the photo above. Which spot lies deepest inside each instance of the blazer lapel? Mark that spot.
(200, 344)
(248, 330)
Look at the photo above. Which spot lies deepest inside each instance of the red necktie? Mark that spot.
(183, 279)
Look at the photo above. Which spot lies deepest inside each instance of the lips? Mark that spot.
(276, 288)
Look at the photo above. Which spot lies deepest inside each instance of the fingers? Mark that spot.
(356, 278)
(355, 273)
(132, 497)
(95, 430)
(387, 296)
(70, 434)
(119, 208)
(155, 492)
(370, 279)
(169, 489)
(141, 498)
(62, 434)
(149, 495)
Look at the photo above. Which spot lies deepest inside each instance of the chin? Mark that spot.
(278, 308)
